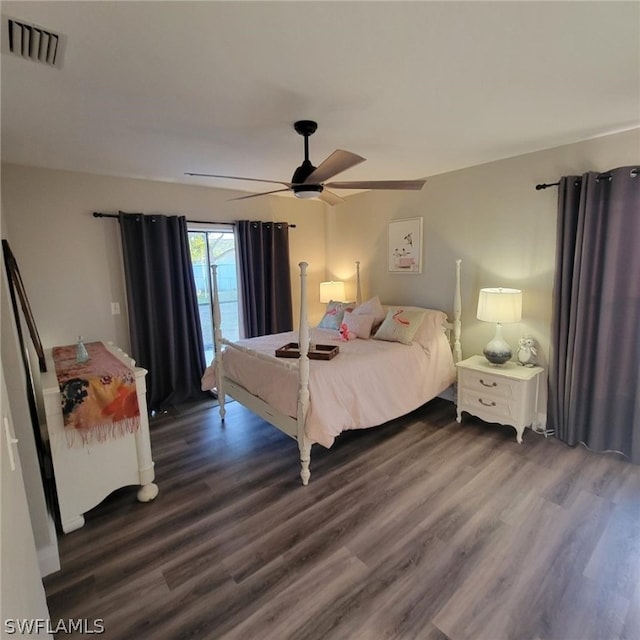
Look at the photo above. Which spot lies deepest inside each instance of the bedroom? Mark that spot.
(62, 250)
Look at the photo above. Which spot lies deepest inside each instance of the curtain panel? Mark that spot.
(164, 323)
(265, 277)
(594, 375)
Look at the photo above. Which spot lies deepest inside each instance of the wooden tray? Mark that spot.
(319, 352)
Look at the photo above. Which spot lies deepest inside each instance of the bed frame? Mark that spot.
(295, 427)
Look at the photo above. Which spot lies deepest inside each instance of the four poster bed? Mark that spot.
(369, 382)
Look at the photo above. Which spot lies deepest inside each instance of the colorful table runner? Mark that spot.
(99, 399)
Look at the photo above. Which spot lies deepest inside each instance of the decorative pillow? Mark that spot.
(373, 308)
(431, 326)
(332, 318)
(400, 324)
(358, 324)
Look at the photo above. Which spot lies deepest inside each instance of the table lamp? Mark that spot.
(332, 291)
(499, 305)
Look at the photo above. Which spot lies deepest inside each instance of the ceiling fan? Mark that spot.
(310, 182)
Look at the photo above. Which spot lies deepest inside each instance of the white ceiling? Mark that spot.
(154, 89)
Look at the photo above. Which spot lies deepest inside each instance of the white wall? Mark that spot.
(71, 262)
(489, 215)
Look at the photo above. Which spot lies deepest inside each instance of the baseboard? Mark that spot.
(48, 557)
(448, 394)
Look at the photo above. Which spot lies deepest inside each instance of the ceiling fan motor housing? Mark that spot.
(302, 172)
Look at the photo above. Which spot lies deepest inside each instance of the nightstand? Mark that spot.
(506, 394)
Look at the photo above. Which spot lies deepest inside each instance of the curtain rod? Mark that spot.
(634, 173)
(96, 214)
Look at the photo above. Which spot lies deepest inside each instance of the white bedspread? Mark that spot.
(368, 383)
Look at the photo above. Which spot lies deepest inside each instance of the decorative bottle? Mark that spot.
(81, 351)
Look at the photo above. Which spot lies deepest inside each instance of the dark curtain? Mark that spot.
(594, 376)
(166, 338)
(263, 251)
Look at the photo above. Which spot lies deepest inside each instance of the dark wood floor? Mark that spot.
(421, 529)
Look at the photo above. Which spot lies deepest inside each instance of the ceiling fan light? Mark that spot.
(307, 190)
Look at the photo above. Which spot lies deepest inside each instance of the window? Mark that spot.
(215, 246)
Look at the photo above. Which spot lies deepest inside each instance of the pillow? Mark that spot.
(373, 308)
(400, 324)
(358, 324)
(431, 326)
(332, 318)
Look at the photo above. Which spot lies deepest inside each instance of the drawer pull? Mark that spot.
(486, 384)
(487, 404)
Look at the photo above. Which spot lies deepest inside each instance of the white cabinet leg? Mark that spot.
(148, 492)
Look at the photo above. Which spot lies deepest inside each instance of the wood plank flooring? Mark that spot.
(419, 529)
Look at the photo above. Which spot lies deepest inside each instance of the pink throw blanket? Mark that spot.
(99, 398)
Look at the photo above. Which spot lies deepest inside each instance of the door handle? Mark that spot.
(10, 442)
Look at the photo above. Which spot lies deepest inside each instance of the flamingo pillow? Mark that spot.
(400, 324)
(358, 324)
(332, 318)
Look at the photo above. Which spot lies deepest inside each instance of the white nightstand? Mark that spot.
(506, 394)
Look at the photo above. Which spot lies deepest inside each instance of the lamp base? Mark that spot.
(497, 351)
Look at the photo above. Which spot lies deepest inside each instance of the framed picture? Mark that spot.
(405, 246)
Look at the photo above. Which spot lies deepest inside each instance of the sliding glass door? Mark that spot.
(215, 246)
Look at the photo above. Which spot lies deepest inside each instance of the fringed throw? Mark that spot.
(99, 398)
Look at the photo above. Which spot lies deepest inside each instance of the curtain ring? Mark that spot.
(634, 172)
(604, 176)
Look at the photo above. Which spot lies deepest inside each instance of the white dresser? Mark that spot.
(86, 474)
(506, 394)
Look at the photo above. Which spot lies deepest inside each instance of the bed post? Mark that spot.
(217, 339)
(457, 312)
(358, 287)
(304, 445)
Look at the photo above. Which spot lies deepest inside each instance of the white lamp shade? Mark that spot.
(332, 291)
(500, 305)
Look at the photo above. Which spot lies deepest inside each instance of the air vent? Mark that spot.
(32, 42)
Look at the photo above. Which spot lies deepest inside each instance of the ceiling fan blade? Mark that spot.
(414, 185)
(330, 198)
(214, 175)
(337, 162)
(255, 195)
